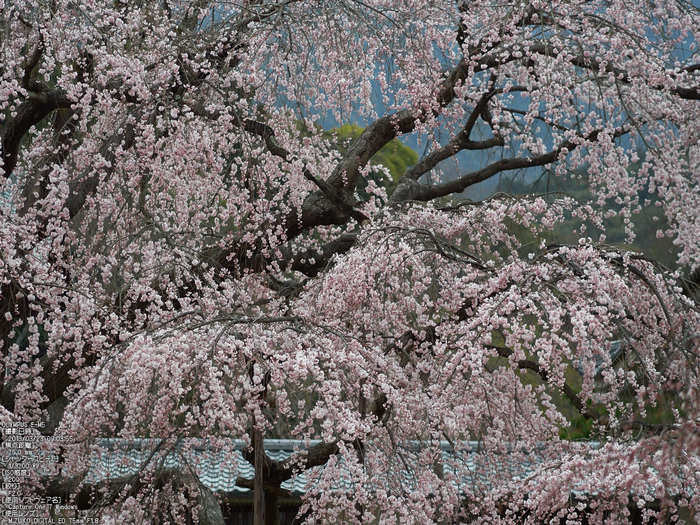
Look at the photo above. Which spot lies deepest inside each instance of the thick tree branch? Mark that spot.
(312, 261)
(411, 190)
(460, 142)
(331, 193)
(316, 456)
(385, 129)
(339, 200)
(246, 483)
(276, 472)
(39, 105)
(340, 186)
(32, 62)
(64, 130)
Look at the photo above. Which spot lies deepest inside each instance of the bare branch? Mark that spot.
(411, 190)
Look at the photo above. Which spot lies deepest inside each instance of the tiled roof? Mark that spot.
(616, 351)
(219, 469)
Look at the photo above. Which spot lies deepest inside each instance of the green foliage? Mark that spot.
(395, 156)
(579, 429)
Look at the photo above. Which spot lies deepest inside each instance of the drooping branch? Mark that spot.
(277, 472)
(343, 181)
(409, 189)
(619, 74)
(65, 126)
(55, 376)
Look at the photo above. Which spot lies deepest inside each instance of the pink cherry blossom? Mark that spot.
(189, 260)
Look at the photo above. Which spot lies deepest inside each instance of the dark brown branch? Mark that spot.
(687, 93)
(29, 113)
(276, 472)
(527, 364)
(316, 456)
(311, 261)
(385, 129)
(268, 134)
(246, 483)
(479, 109)
(32, 62)
(410, 190)
(460, 142)
(329, 191)
(331, 207)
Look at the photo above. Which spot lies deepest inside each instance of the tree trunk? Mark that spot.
(210, 513)
(258, 492)
(272, 511)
